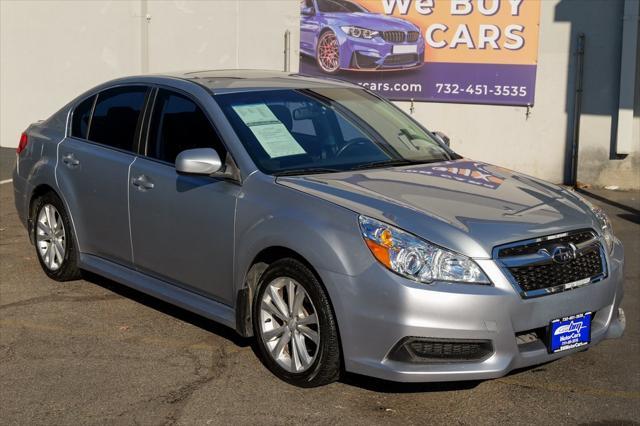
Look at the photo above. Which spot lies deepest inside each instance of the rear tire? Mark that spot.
(296, 332)
(54, 239)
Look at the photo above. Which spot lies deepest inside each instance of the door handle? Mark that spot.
(70, 160)
(142, 182)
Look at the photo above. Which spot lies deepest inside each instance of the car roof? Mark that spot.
(225, 81)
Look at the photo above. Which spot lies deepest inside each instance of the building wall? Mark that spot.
(50, 51)
(187, 35)
(537, 143)
(53, 50)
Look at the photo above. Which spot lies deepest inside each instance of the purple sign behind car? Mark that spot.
(489, 58)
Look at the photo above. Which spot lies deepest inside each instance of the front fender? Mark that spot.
(324, 234)
(325, 27)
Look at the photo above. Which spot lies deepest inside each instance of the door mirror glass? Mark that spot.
(307, 11)
(442, 138)
(198, 161)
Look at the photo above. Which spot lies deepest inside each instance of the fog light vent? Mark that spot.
(420, 349)
(360, 60)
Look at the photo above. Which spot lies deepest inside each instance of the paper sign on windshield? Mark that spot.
(276, 140)
(255, 114)
(272, 135)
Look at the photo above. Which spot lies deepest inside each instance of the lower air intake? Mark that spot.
(428, 350)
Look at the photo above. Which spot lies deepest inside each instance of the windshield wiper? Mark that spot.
(393, 163)
(383, 163)
(309, 171)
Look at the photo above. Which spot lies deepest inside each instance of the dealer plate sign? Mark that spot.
(570, 332)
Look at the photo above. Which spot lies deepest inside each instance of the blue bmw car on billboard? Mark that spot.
(342, 35)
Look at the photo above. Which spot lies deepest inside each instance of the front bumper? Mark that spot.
(378, 55)
(377, 309)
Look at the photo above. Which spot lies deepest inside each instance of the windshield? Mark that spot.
(326, 130)
(339, 6)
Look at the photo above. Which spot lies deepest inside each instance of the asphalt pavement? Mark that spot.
(96, 352)
(7, 160)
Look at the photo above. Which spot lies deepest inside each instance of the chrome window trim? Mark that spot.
(93, 107)
(152, 105)
(72, 112)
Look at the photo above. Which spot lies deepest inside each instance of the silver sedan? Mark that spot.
(322, 220)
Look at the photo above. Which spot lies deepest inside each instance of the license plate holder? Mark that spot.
(569, 332)
(405, 48)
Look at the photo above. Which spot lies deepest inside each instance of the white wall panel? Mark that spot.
(51, 51)
(190, 35)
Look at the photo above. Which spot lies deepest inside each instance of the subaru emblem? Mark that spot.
(563, 254)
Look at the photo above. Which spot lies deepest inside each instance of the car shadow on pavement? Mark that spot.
(631, 210)
(630, 213)
(385, 386)
(633, 218)
(349, 379)
(168, 309)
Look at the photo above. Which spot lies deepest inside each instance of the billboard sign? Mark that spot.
(468, 51)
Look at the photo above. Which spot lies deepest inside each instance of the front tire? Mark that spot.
(328, 53)
(294, 325)
(54, 239)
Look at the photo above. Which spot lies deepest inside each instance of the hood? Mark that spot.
(465, 206)
(371, 21)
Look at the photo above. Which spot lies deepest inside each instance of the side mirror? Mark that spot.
(199, 161)
(442, 138)
(307, 11)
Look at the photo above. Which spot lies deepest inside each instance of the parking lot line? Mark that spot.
(2, 182)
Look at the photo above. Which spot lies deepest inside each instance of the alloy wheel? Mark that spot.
(289, 325)
(50, 237)
(328, 52)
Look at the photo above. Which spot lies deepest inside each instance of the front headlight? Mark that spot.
(359, 32)
(417, 259)
(603, 220)
(605, 227)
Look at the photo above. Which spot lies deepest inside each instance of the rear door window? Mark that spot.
(179, 124)
(80, 118)
(116, 116)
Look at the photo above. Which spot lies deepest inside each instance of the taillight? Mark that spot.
(23, 143)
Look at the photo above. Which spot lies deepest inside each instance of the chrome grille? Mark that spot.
(413, 36)
(393, 36)
(584, 266)
(533, 247)
(537, 267)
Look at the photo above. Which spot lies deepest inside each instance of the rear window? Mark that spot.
(80, 118)
(115, 116)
